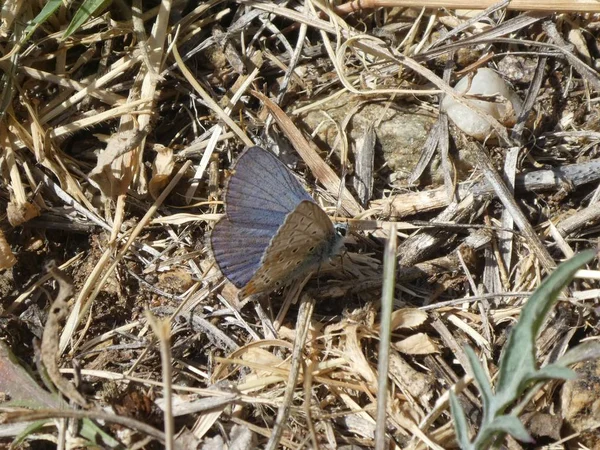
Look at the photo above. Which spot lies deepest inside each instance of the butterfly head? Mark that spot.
(341, 229)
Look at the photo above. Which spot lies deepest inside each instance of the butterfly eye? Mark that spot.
(341, 229)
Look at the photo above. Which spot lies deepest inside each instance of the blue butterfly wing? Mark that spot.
(238, 249)
(262, 191)
(259, 196)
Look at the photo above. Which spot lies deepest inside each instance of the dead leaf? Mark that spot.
(162, 167)
(7, 257)
(21, 212)
(261, 357)
(578, 40)
(353, 352)
(50, 338)
(417, 344)
(417, 384)
(118, 162)
(408, 318)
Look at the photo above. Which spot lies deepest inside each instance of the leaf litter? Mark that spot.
(118, 134)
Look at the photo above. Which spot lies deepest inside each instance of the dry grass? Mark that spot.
(116, 143)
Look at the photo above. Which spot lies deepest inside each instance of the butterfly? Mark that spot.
(273, 231)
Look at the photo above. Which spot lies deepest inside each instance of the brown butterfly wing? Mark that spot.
(305, 239)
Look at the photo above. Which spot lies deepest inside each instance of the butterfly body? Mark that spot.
(273, 231)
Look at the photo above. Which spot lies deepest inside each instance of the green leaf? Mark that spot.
(554, 372)
(481, 379)
(503, 425)
(87, 9)
(21, 388)
(517, 363)
(97, 436)
(461, 428)
(583, 352)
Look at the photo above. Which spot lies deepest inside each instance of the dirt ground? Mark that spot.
(120, 130)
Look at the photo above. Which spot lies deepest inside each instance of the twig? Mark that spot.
(427, 152)
(217, 132)
(416, 248)
(307, 304)
(375, 47)
(364, 160)
(588, 215)
(162, 330)
(50, 350)
(510, 204)
(572, 175)
(519, 5)
(44, 414)
(470, 22)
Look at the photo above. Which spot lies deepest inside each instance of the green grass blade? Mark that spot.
(87, 9)
(48, 10)
(31, 428)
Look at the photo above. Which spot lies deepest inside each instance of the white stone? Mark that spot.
(505, 108)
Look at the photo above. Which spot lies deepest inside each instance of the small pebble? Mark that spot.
(503, 108)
